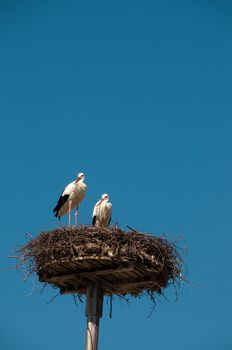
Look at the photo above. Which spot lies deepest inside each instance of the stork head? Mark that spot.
(105, 196)
(80, 176)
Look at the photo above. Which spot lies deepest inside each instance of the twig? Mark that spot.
(130, 228)
(111, 306)
(53, 298)
(75, 300)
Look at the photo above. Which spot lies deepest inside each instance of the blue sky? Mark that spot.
(136, 94)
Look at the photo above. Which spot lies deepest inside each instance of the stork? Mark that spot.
(102, 212)
(70, 198)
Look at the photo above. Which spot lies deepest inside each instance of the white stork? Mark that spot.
(102, 212)
(71, 197)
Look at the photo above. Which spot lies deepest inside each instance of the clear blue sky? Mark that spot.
(136, 94)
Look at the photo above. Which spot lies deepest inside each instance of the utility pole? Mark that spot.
(93, 312)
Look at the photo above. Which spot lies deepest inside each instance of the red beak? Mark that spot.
(77, 179)
(101, 200)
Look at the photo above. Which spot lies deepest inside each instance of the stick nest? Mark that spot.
(121, 262)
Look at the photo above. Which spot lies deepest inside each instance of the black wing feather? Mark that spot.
(94, 220)
(109, 222)
(63, 199)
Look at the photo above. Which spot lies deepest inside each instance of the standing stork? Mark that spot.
(102, 212)
(70, 198)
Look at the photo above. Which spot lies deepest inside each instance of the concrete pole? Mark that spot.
(93, 312)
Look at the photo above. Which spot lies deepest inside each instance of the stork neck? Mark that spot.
(81, 183)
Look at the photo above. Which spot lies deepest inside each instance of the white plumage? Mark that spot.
(71, 197)
(102, 212)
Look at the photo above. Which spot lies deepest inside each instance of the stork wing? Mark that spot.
(60, 203)
(109, 207)
(95, 213)
(64, 197)
(95, 209)
(69, 188)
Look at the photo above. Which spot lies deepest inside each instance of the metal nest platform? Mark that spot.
(119, 262)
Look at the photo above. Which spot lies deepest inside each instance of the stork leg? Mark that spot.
(76, 214)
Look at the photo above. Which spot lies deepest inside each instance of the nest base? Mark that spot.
(113, 278)
(72, 258)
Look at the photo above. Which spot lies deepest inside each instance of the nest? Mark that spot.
(71, 258)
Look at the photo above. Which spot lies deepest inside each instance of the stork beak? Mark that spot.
(77, 179)
(101, 200)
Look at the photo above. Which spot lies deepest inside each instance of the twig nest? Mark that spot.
(121, 262)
